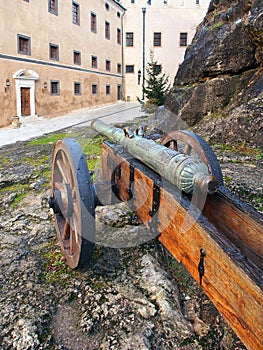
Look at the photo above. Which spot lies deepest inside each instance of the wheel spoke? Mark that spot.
(192, 144)
(60, 186)
(74, 194)
(173, 145)
(64, 158)
(76, 217)
(187, 149)
(61, 167)
(67, 170)
(76, 230)
(73, 244)
(66, 231)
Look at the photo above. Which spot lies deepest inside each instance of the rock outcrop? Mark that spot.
(218, 89)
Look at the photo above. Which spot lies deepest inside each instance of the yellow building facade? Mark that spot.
(165, 27)
(57, 56)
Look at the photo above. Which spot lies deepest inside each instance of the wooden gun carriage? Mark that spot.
(179, 195)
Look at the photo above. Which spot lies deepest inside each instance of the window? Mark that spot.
(108, 65)
(119, 68)
(53, 52)
(149, 2)
(53, 6)
(77, 88)
(107, 89)
(75, 13)
(107, 30)
(94, 89)
(76, 57)
(197, 2)
(93, 22)
(24, 44)
(157, 39)
(54, 87)
(132, 1)
(118, 14)
(107, 7)
(165, 2)
(183, 39)
(94, 62)
(129, 39)
(130, 69)
(118, 36)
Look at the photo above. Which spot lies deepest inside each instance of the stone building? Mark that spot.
(57, 56)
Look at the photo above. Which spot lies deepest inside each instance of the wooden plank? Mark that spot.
(235, 295)
(239, 222)
(229, 282)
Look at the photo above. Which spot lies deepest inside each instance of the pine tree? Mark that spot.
(157, 84)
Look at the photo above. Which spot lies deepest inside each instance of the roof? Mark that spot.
(117, 2)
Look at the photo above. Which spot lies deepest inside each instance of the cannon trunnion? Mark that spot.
(203, 225)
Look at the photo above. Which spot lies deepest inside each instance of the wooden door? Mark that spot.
(25, 101)
(119, 92)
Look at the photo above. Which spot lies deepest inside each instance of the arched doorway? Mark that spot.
(25, 92)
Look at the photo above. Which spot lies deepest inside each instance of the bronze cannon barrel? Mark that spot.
(184, 171)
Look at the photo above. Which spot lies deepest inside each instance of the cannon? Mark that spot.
(175, 188)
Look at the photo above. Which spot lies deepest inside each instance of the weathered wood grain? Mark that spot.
(229, 232)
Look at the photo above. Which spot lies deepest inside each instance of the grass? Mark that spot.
(228, 179)
(184, 280)
(40, 164)
(18, 198)
(45, 140)
(236, 161)
(20, 191)
(34, 161)
(188, 87)
(91, 147)
(218, 25)
(242, 149)
(55, 268)
(259, 155)
(258, 200)
(4, 161)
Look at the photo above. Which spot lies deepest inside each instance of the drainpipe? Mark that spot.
(122, 57)
(143, 50)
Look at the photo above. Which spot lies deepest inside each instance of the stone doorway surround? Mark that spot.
(25, 79)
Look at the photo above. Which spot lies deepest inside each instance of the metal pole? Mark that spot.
(143, 50)
(122, 57)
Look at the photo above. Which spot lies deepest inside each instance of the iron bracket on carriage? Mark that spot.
(175, 187)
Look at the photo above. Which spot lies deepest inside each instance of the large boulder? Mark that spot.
(220, 81)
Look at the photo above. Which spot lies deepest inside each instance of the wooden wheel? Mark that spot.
(73, 203)
(189, 143)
